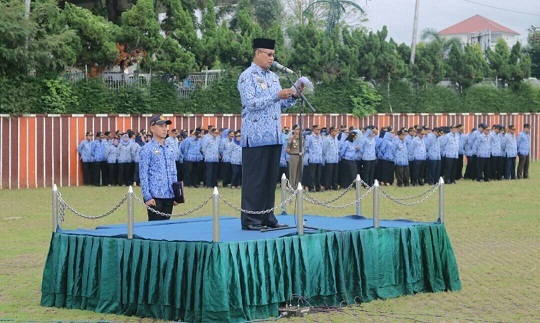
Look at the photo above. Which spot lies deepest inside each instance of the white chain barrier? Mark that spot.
(59, 205)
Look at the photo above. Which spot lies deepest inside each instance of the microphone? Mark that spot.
(282, 68)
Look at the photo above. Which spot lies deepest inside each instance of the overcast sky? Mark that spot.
(398, 15)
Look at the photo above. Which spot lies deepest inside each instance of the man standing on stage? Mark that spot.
(157, 170)
(262, 101)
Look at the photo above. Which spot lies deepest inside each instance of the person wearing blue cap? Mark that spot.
(262, 101)
(157, 170)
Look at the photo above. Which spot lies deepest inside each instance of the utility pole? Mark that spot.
(415, 29)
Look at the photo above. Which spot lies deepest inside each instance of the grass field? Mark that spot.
(494, 228)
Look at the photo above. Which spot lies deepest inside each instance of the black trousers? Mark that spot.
(449, 170)
(260, 172)
(469, 169)
(226, 173)
(402, 175)
(236, 177)
(433, 171)
(112, 179)
(497, 167)
(162, 205)
(348, 170)
(417, 177)
(136, 176)
(87, 173)
(191, 173)
(483, 169)
(314, 171)
(387, 171)
(368, 171)
(510, 168)
(99, 173)
(179, 172)
(458, 168)
(330, 176)
(211, 169)
(125, 174)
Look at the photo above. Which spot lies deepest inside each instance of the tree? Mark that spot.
(520, 63)
(467, 66)
(96, 38)
(498, 60)
(334, 11)
(39, 44)
(139, 33)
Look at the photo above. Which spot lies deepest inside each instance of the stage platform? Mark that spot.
(171, 270)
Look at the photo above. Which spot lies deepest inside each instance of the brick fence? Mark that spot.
(39, 150)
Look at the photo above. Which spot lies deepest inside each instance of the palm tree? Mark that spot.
(334, 11)
(443, 43)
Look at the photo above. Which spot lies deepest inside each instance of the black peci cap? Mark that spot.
(264, 43)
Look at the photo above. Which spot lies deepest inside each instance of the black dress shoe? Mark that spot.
(253, 227)
(277, 225)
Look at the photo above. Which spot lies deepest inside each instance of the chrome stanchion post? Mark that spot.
(441, 200)
(130, 213)
(299, 209)
(283, 194)
(215, 214)
(376, 204)
(54, 208)
(358, 201)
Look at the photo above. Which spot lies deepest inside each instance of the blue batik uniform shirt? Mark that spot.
(85, 149)
(191, 149)
(157, 170)
(330, 150)
(433, 146)
(510, 145)
(261, 107)
(401, 154)
(495, 144)
(313, 149)
(98, 150)
(483, 148)
(524, 143)
(450, 145)
(211, 150)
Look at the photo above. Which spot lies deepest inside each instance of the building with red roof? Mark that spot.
(480, 30)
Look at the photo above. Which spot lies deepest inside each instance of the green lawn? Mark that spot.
(494, 228)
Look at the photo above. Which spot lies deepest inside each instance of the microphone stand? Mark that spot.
(300, 173)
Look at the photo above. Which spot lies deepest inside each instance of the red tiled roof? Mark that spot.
(474, 24)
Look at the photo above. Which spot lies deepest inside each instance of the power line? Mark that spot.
(503, 9)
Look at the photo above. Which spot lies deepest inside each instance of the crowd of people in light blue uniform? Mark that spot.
(332, 157)
(414, 156)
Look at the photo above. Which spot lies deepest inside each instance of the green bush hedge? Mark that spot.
(34, 95)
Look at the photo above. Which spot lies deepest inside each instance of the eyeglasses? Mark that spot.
(267, 53)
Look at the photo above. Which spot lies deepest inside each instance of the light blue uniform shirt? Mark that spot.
(191, 149)
(135, 150)
(410, 147)
(401, 154)
(313, 148)
(98, 150)
(112, 154)
(387, 148)
(495, 144)
(124, 150)
(510, 145)
(261, 107)
(236, 154)
(210, 150)
(419, 149)
(85, 150)
(433, 146)
(330, 150)
(483, 148)
(368, 148)
(524, 143)
(450, 146)
(157, 171)
(225, 148)
(467, 145)
(347, 150)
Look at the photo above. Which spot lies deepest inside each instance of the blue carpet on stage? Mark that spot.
(200, 229)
